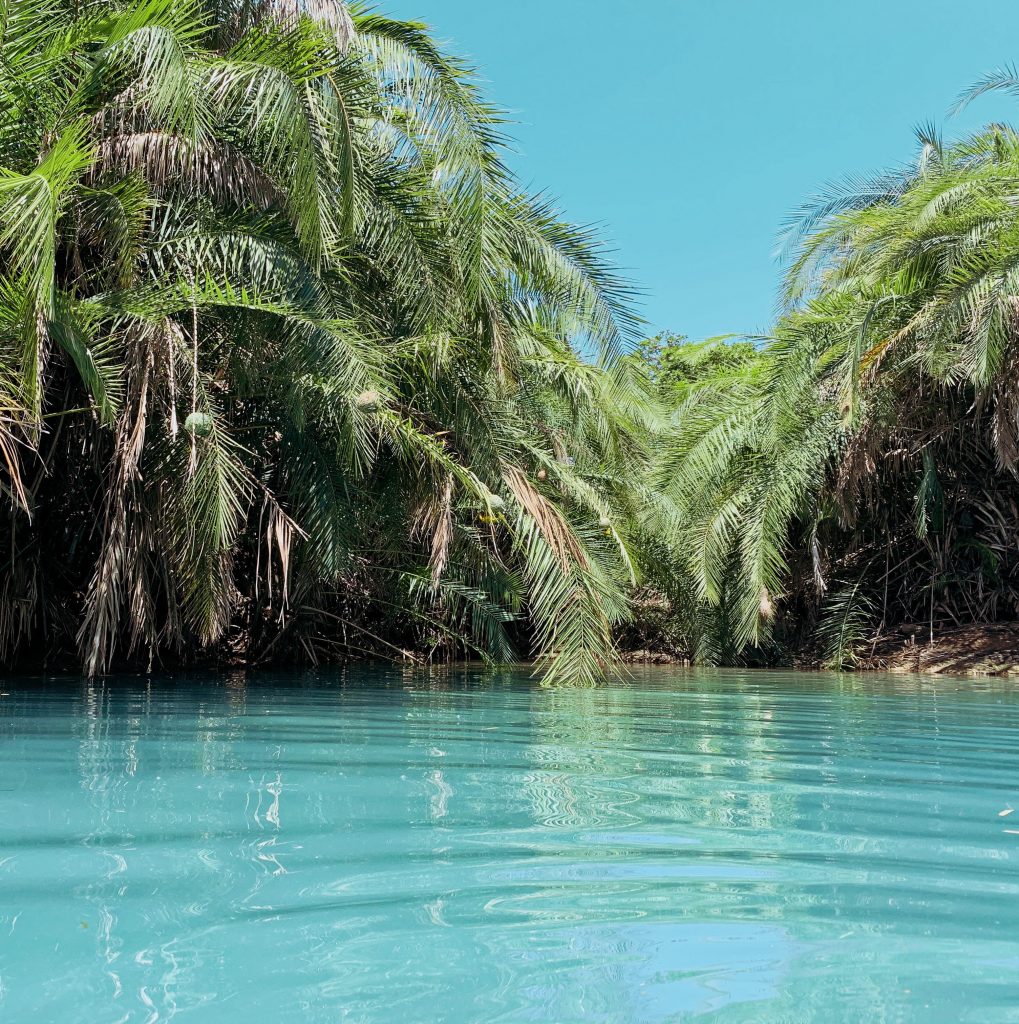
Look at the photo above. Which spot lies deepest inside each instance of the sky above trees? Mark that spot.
(691, 130)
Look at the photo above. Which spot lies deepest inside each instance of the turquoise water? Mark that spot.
(413, 848)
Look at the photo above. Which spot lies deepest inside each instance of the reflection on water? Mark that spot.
(422, 848)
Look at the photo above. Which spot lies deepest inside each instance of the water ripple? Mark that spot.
(424, 848)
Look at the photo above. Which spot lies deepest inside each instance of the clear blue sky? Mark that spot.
(689, 130)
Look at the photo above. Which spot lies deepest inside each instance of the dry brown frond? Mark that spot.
(332, 14)
(442, 533)
(548, 518)
(281, 531)
(212, 166)
(120, 548)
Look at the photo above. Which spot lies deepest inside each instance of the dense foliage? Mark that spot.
(857, 473)
(291, 367)
(288, 363)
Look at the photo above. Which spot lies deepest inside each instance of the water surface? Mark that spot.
(397, 848)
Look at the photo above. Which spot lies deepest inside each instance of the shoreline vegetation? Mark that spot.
(292, 370)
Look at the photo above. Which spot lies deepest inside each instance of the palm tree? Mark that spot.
(864, 466)
(287, 359)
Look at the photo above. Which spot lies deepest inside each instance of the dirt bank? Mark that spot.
(969, 651)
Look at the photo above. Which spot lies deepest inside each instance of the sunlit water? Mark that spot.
(397, 849)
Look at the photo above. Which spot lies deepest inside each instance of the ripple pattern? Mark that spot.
(382, 847)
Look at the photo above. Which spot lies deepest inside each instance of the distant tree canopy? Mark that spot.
(672, 360)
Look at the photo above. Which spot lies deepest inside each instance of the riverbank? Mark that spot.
(982, 650)
(986, 650)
